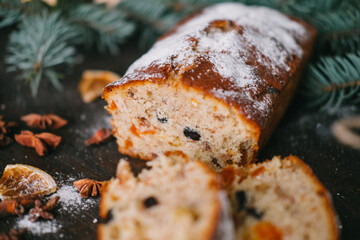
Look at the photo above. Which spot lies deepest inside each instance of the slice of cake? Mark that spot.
(214, 87)
(172, 200)
(282, 199)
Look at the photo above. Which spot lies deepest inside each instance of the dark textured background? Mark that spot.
(302, 132)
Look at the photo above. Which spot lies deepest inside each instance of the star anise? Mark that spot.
(5, 129)
(88, 187)
(13, 234)
(46, 121)
(100, 136)
(42, 211)
(5, 140)
(39, 141)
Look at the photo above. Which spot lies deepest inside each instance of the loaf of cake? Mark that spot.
(282, 199)
(172, 200)
(214, 87)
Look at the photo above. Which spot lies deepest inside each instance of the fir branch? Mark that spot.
(339, 29)
(154, 17)
(40, 44)
(105, 28)
(10, 12)
(145, 12)
(333, 81)
(297, 8)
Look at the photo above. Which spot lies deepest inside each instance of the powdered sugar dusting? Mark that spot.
(70, 204)
(220, 93)
(39, 227)
(70, 200)
(227, 51)
(264, 28)
(254, 36)
(69, 197)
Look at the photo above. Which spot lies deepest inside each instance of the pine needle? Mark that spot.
(39, 45)
(338, 29)
(100, 27)
(333, 81)
(154, 17)
(10, 12)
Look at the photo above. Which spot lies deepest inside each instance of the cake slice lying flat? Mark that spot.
(282, 199)
(214, 87)
(174, 201)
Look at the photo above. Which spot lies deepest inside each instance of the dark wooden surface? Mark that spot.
(305, 133)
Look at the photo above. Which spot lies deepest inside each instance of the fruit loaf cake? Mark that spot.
(282, 199)
(172, 200)
(214, 87)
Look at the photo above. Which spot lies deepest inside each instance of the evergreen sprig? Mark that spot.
(332, 78)
(296, 7)
(10, 12)
(47, 36)
(333, 81)
(153, 17)
(40, 44)
(100, 27)
(339, 29)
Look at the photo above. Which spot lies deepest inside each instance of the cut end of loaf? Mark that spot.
(151, 119)
(282, 199)
(178, 202)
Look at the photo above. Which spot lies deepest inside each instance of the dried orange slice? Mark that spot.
(19, 180)
(93, 82)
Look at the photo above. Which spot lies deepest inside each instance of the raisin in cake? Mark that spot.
(172, 200)
(214, 87)
(282, 199)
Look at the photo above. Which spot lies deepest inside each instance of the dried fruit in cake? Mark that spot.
(19, 180)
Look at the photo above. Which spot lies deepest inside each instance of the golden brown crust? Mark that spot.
(100, 231)
(102, 211)
(276, 87)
